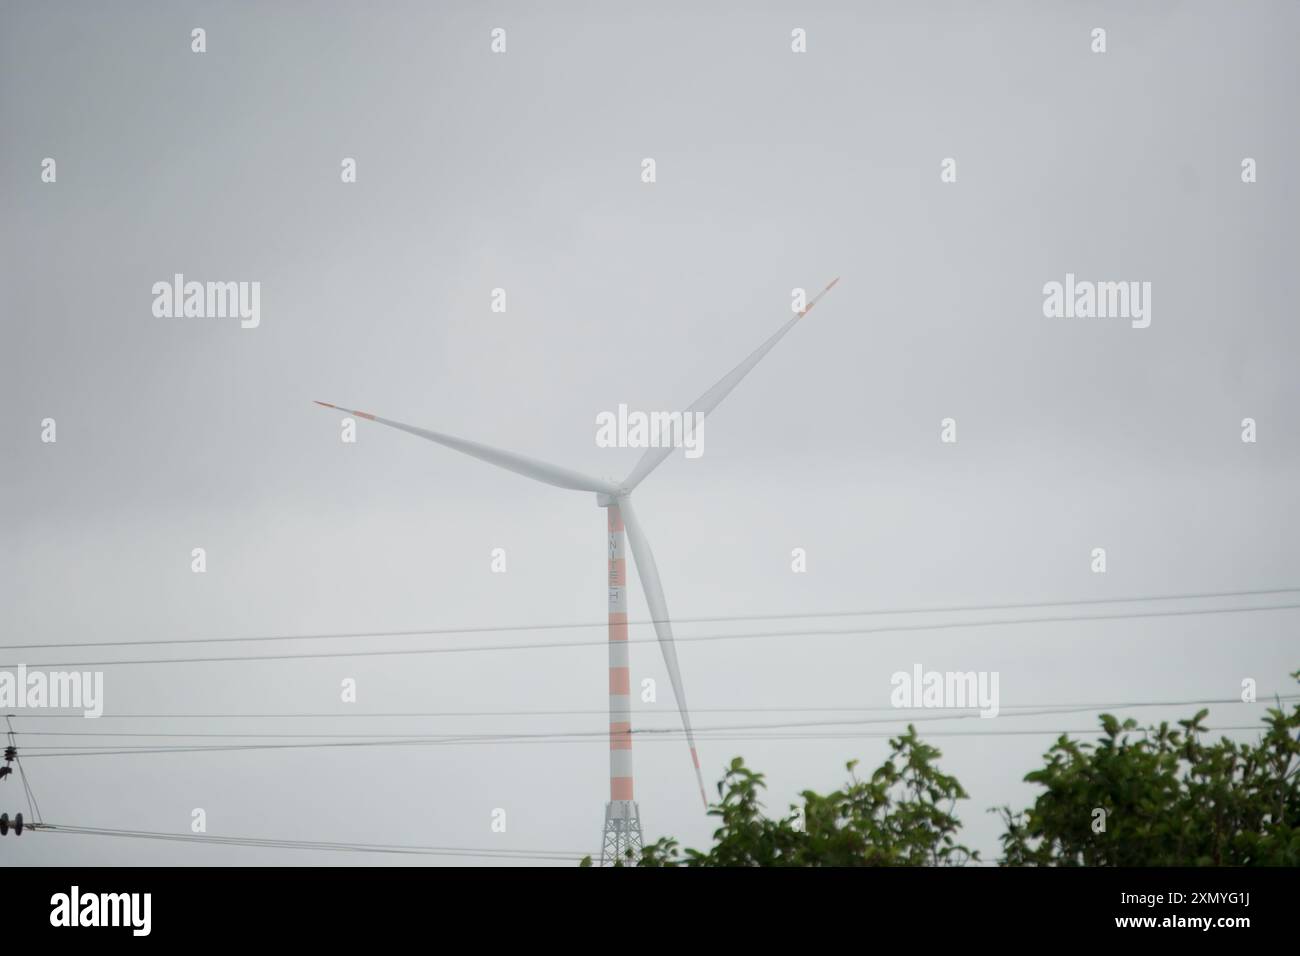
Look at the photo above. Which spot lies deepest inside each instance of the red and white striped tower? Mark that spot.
(622, 818)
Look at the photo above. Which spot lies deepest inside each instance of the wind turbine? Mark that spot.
(622, 817)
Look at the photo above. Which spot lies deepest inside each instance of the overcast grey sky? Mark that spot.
(522, 171)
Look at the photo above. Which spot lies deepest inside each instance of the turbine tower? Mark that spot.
(622, 834)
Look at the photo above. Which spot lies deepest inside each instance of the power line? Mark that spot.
(216, 840)
(968, 713)
(508, 739)
(726, 618)
(644, 710)
(466, 649)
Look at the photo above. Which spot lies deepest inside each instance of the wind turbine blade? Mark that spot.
(710, 399)
(519, 464)
(648, 572)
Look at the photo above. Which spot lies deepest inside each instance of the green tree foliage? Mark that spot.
(901, 816)
(1138, 796)
(1167, 798)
